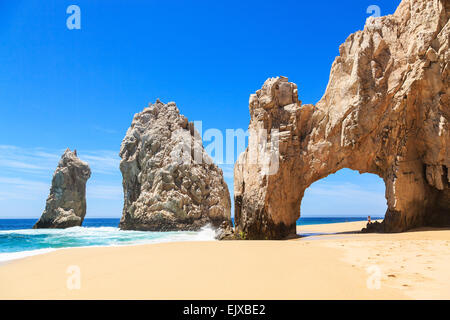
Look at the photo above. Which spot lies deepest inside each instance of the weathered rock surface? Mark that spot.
(385, 111)
(66, 204)
(169, 181)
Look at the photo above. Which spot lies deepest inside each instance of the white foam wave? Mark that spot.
(8, 256)
(55, 239)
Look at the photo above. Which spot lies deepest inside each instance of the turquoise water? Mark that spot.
(16, 224)
(18, 239)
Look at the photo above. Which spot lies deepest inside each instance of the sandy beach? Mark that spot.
(342, 264)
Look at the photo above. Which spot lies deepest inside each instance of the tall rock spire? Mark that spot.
(169, 181)
(66, 204)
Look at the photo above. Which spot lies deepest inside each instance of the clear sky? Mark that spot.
(64, 88)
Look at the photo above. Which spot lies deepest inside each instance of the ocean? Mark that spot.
(18, 239)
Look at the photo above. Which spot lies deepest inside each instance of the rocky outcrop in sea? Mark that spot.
(169, 181)
(66, 204)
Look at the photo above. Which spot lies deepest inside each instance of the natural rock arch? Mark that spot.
(385, 111)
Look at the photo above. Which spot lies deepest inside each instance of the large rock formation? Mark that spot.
(169, 181)
(385, 111)
(66, 204)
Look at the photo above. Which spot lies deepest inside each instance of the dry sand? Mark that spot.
(411, 265)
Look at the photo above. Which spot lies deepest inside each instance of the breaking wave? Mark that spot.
(16, 244)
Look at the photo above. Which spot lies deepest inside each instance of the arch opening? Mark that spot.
(344, 196)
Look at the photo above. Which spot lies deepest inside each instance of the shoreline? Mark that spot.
(34, 252)
(206, 233)
(330, 266)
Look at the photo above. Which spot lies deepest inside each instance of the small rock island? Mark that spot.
(66, 204)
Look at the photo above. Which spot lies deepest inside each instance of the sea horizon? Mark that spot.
(27, 223)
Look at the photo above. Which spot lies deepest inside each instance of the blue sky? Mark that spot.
(64, 88)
